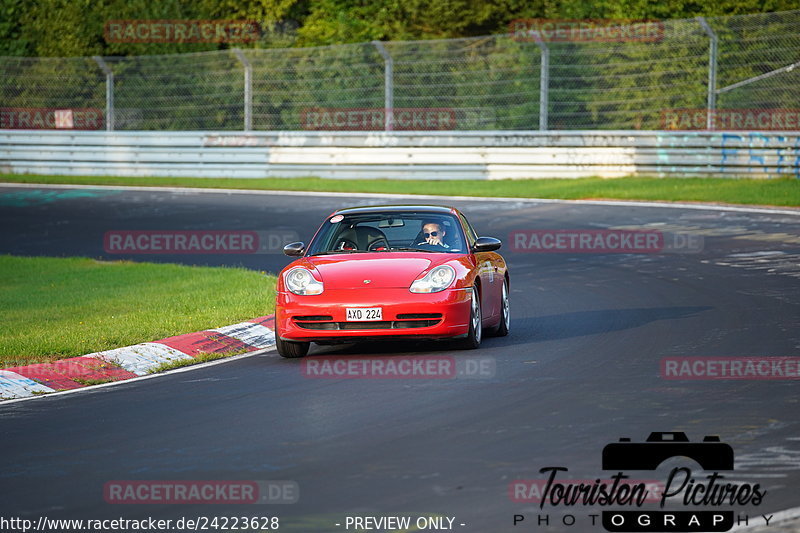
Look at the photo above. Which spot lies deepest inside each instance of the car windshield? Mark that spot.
(389, 232)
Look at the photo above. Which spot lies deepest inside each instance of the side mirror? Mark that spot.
(486, 244)
(295, 249)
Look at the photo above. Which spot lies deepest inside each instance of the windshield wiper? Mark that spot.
(327, 252)
(410, 249)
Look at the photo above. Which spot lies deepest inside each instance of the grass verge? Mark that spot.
(87, 382)
(196, 360)
(778, 192)
(52, 308)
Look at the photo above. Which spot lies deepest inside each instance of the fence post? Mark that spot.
(544, 80)
(711, 101)
(248, 89)
(109, 91)
(388, 89)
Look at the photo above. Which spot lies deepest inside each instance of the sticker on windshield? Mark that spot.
(337, 218)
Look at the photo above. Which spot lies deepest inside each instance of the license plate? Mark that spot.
(364, 314)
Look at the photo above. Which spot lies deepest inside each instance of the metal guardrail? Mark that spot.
(403, 155)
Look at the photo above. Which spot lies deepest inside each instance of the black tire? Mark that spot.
(291, 350)
(501, 330)
(473, 339)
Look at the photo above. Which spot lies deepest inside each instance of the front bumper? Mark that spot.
(322, 317)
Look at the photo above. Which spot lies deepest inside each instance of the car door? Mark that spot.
(490, 284)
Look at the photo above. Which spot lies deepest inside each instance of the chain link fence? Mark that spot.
(516, 81)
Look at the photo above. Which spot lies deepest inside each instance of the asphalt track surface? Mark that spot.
(580, 369)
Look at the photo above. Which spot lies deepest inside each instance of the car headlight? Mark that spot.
(438, 279)
(301, 282)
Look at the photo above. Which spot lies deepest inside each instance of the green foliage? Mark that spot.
(11, 41)
(75, 27)
(440, 61)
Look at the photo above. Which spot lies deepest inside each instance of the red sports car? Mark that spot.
(389, 272)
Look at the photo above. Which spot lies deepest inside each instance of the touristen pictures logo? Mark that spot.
(684, 501)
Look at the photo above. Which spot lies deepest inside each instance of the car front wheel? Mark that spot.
(501, 330)
(473, 339)
(290, 349)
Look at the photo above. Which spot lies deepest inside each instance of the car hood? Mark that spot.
(382, 271)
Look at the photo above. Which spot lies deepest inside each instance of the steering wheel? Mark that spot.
(378, 245)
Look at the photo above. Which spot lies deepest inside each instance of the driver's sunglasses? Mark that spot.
(432, 234)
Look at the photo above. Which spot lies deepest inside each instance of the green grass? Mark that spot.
(52, 308)
(196, 360)
(778, 192)
(87, 382)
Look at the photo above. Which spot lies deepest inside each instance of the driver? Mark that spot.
(433, 234)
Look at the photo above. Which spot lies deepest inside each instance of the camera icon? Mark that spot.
(711, 454)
